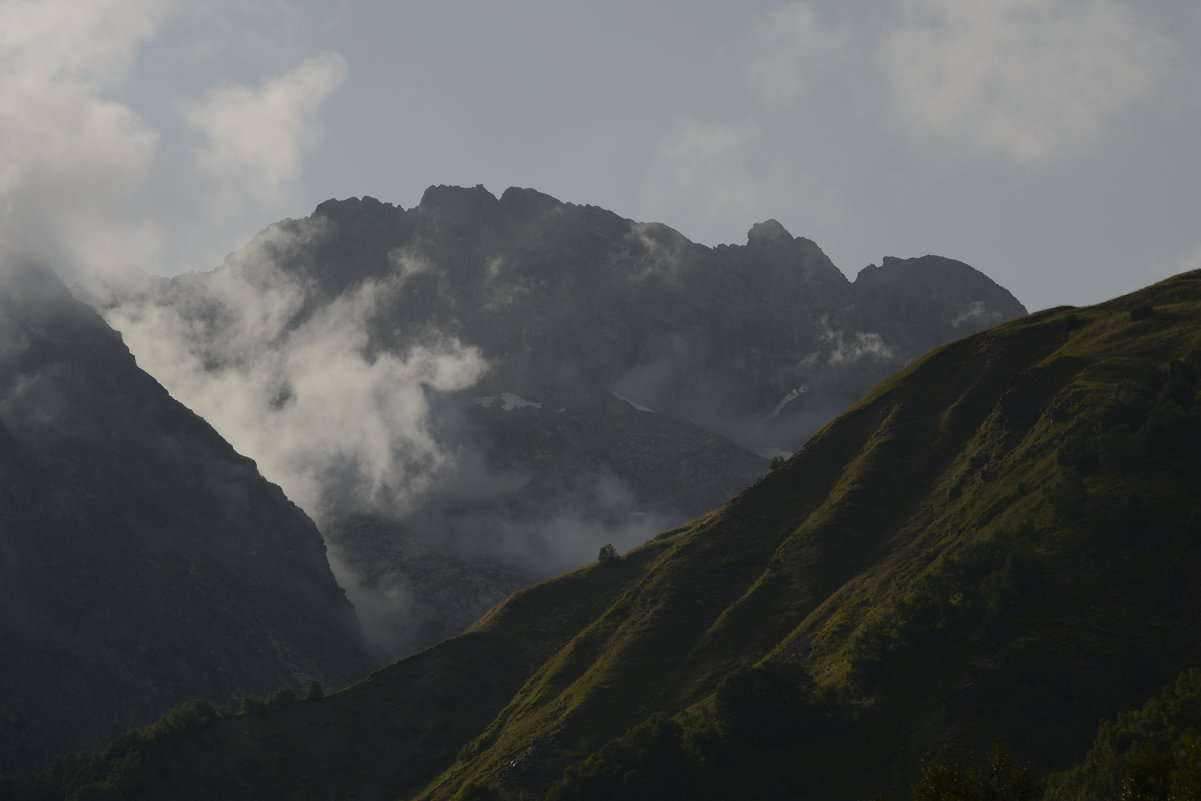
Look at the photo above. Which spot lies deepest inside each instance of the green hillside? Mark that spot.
(1001, 543)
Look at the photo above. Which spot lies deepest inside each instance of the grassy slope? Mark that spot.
(820, 562)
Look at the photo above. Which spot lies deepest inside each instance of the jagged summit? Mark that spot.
(527, 202)
(449, 198)
(610, 301)
(354, 205)
(768, 231)
(894, 269)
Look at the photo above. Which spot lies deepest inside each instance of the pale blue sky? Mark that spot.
(1050, 143)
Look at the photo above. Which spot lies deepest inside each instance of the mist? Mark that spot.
(289, 379)
(375, 425)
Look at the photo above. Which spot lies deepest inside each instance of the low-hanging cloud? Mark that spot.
(441, 568)
(657, 251)
(294, 383)
(849, 347)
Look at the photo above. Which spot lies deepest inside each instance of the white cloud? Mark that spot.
(788, 49)
(703, 168)
(323, 416)
(83, 43)
(722, 174)
(1024, 80)
(256, 138)
(849, 348)
(72, 161)
(84, 183)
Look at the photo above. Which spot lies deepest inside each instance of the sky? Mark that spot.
(1051, 144)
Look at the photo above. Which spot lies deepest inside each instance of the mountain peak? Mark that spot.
(895, 271)
(442, 196)
(528, 202)
(353, 205)
(768, 231)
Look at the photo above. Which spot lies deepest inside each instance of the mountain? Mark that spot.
(1000, 542)
(480, 392)
(563, 299)
(143, 562)
(565, 482)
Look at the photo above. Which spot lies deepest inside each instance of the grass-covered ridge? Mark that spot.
(1000, 542)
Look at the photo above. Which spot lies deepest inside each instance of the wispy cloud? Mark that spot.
(850, 347)
(724, 173)
(71, 160)
(1023, 80)
(83, 44)
(86, 181)
(791, 48)
(703, 171)
(256, 138)
(292, 382)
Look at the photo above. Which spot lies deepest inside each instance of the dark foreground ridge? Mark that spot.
(1000, 542)
(143, 561)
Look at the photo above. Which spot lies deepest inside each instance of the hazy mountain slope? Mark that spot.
(461, 393)
(565, 482)
(142, 560)
(999, 541)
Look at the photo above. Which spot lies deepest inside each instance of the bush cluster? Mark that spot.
(1157, 415)
(137, 764)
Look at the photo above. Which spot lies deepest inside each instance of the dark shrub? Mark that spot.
(608, 555)
(769, 704)
(1141, 313)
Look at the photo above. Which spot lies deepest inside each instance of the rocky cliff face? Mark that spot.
(563, 298)
(586, 377)
(143, 562)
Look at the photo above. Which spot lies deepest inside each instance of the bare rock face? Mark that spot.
(629, 379)
(565, 299)
(143, 562)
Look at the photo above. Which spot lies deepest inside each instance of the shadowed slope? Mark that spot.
(142, 560)
(946, 558)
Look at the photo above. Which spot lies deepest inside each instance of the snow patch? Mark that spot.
(508, 401)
